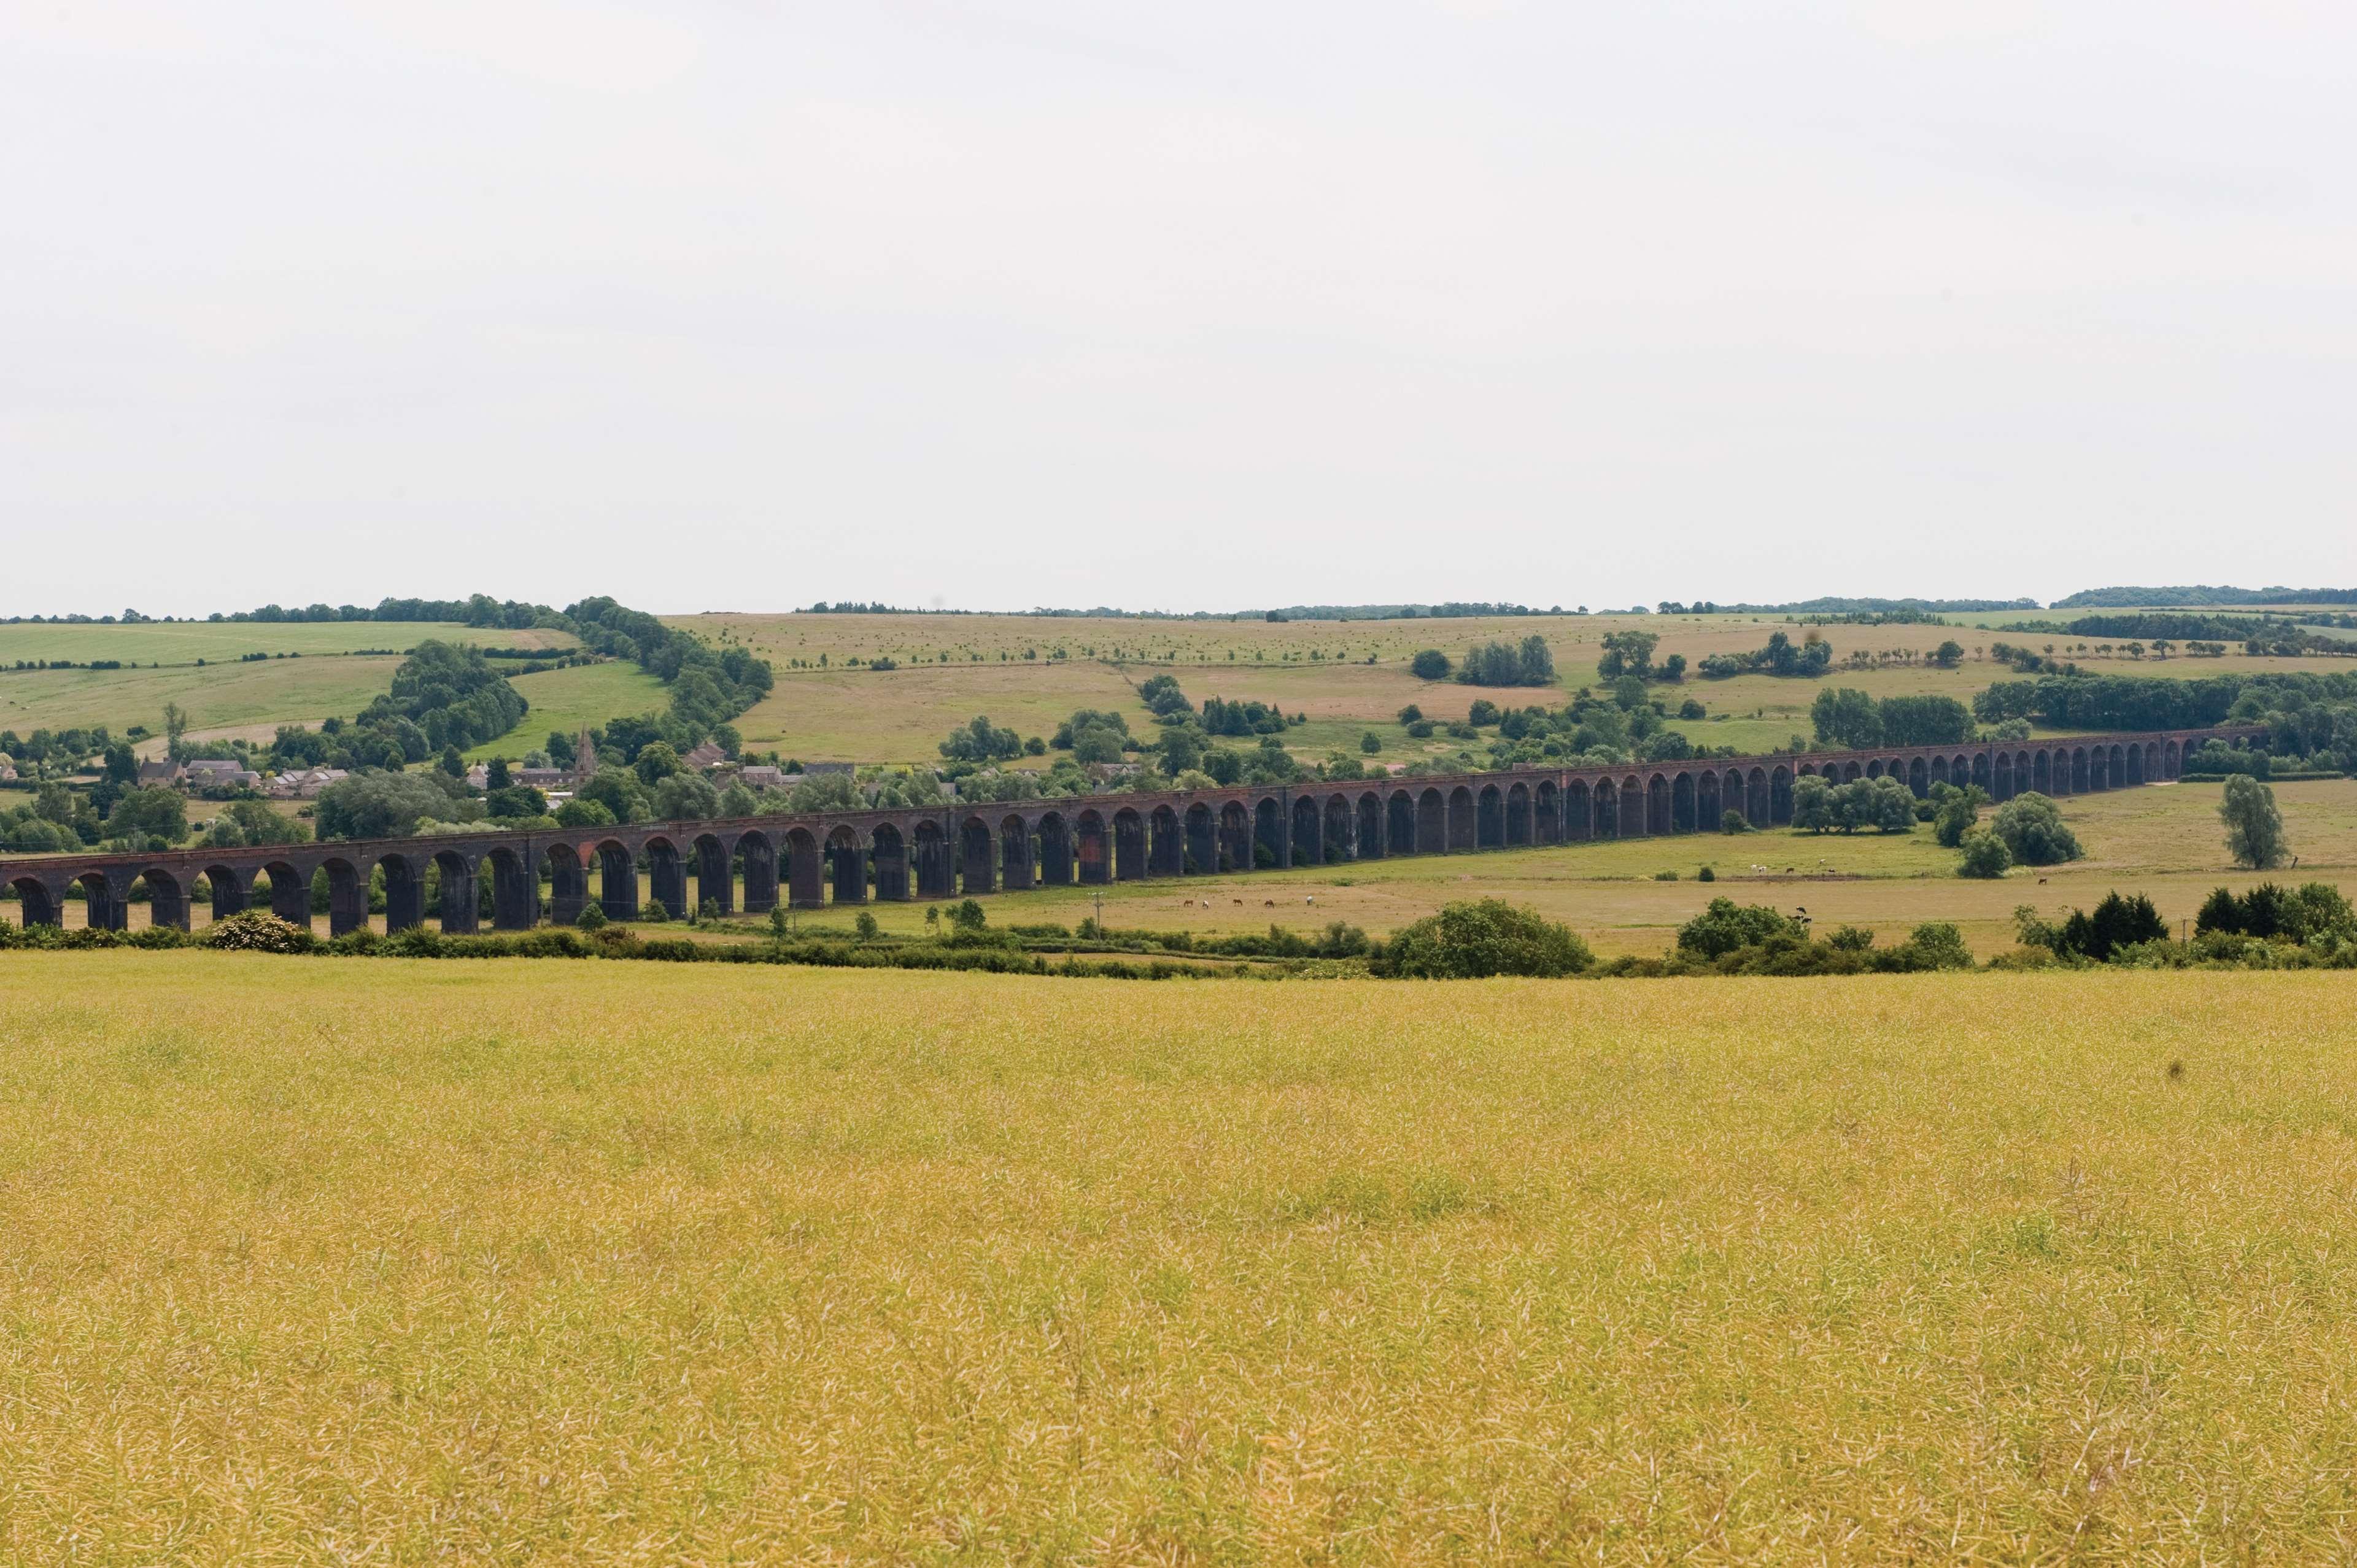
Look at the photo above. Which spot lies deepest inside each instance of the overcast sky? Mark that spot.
(1204, 305)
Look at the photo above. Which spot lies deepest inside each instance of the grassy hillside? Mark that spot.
(225, 694)
(567, 700)
(515, 1262)
(953, 667)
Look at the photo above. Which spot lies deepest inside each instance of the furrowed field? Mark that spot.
(314, 1259)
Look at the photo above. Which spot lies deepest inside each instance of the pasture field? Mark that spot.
(577, 1261)
(224, 696)
(569, 699)
(185, 642)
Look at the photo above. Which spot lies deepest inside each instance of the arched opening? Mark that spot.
(1873, 768)
(290, 894)
(1779, 796)
(1203, 840)
(1919, 777)
(1605, 811)
(715, 877)
(1166, 851)
(934, 878)
(1235, 837)
(347, 896)
(106, 909)
(1706, 807)
(36, 903)
(2172, 760)
(1979, 764)
(759, 856)
(1431, 824)
(1682, 803)
(1268, 832)
(1578, 812)
(2002, 789)
(1756, 803)
(1547, 813)
(1095, 856)
(1630, 809)
(1308, 831)
(977, 856)
(167, 901)
(2079, 770)
(1338, 835)
(888, 854)
(805, 870)
(461, 899)
(228, 886)
(1657, 804)
(1490, 819)
(568, 886)
(847, 860)
(666, 877)
(1055, 850)
(1400, 829)
(1128, 844)
(1017, 868)
(1518, 814)
(1939, 771)
(1850, 773)
(1371, 835)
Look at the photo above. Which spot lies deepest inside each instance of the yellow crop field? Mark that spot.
(515, 1262)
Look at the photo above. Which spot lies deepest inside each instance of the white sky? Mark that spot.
(1201, 306)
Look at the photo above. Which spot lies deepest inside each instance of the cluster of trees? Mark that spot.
(1475, 940)
(1732, 939)
(980, 741)
(2273, 912)
(1884, 804)
(1526, 663)
(113, 813)
(1846, 719)
(1628, 656)
(2308, 715)
(1811, 659)
(2118, 923)
(1242, 717)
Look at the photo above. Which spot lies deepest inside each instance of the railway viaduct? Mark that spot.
(847, 857)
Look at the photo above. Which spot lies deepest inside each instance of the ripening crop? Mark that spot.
(381, 1262)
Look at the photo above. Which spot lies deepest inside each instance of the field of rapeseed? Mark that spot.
(509, 1262)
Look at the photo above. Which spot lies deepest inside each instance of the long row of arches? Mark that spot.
(888, 856)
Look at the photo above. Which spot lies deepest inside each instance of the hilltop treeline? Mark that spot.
(2141, 598)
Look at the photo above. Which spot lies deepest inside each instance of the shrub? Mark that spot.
(1706, 875)
(1430, 664)
(591, 919)
(2031, 827)
(255, 931)
(1850, 939)
(865, 924)
(1937, 944)
(1469, 940)
(1734, 822)
(1726, 926)
(1986, 855)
